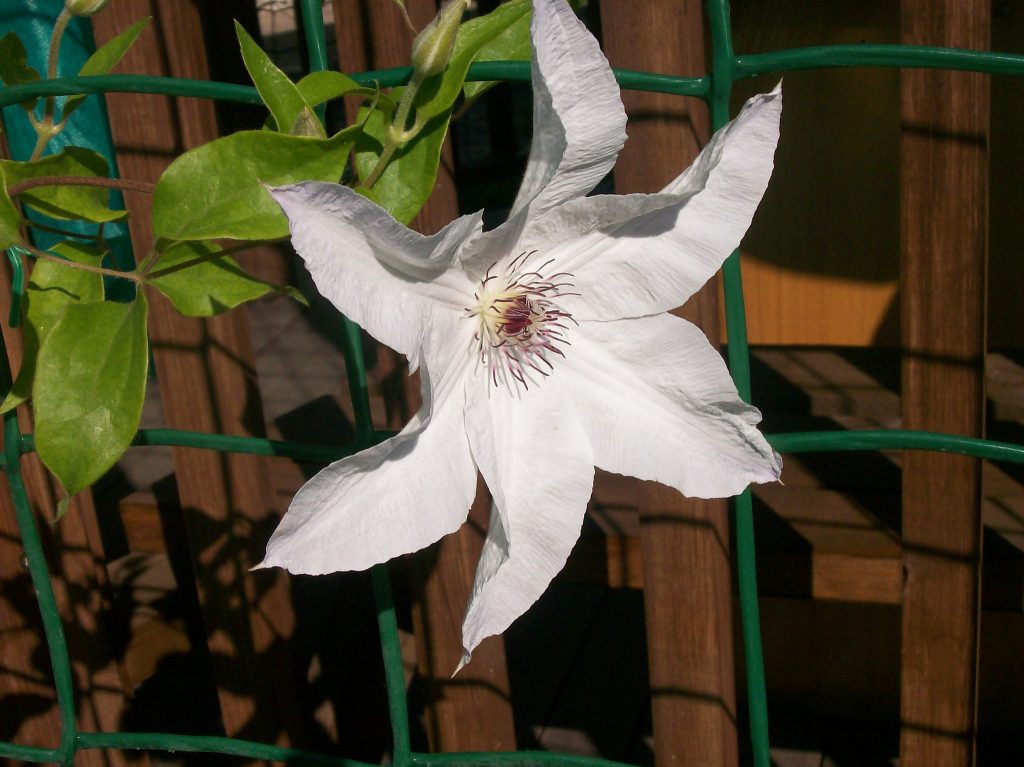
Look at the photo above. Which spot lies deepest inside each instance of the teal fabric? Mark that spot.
(32, 21)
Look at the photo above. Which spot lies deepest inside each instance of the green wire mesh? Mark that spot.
(715, 89)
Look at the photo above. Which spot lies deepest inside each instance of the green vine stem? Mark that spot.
(125, 184)
(45, 256)
(147, 265)
(46, 129)
(396, 134)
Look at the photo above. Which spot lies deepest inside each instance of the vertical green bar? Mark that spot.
(722, 78)
(394, 673)
(39, 572)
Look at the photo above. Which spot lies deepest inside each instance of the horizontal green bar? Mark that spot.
(212, 744)
(29, 753)
(166, 86)
(226, 443)
(829, 56)
(791, 442)
(746, 65)
(510, 759)
(176, 86)
(895, 439)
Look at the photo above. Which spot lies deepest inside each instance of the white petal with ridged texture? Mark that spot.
(536, 461)
(380, 274)
(397, 497)
(579, 127)
(634, 255)
(579, 124)
(656, 402)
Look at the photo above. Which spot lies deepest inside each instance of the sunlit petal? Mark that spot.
(394, 498)
(634, 255)
(579, 126)
(536, 460)
(382, 275)
(656, 402)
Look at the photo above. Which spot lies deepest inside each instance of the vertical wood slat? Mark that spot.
(944, 209)
(208, 384)
(78, 575)
(472, 712)
(684, 542)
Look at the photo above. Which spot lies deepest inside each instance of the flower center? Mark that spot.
(519, 324)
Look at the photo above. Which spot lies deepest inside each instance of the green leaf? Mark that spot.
(409, 178)
(217, 190)
(211, 286)
(65, 201)
(89, 387)
(278, 92)
(511, 44)
(9, 217)
(52, 289)
(103, 60)
(437, 94)
(14, 68)
(319, 87)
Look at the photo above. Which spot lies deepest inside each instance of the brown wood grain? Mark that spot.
(684, 542)
(473, 711)
(944, 218)
(208, 384)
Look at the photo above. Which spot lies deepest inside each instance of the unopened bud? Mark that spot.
(84, 7)
(432, 48)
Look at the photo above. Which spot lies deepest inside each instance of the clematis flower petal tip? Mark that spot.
(545, 344)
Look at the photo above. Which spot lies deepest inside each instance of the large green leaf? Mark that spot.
(103, 60)
(14, 68)
(9, 217)
(65, 201)
(318, 87)
(437, 94)
(52, 289)
(89, 387)
(217, 190)
(409, 178)
(511, 44)
(283, 99)
(211, 286)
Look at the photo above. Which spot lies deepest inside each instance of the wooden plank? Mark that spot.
(684, 542)
(944, 218)
(208, 384)
(472, 712)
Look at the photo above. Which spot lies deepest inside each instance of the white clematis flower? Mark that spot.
(544, 344)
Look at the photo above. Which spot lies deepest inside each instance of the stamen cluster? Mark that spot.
(519, 322)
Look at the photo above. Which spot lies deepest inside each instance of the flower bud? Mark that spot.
(84, 7)
(432, 48)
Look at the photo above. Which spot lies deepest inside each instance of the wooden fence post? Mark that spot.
(208, 384)
(684, 541)
(944, 244)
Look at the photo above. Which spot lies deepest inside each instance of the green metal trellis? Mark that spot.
(715, 89)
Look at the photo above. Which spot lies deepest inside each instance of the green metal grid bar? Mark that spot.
(727, 68)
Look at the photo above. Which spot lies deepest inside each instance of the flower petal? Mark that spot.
(579, 126)
(382, 275)
(634, 255)
(657, 402)
(535, 459)
(394, 498)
